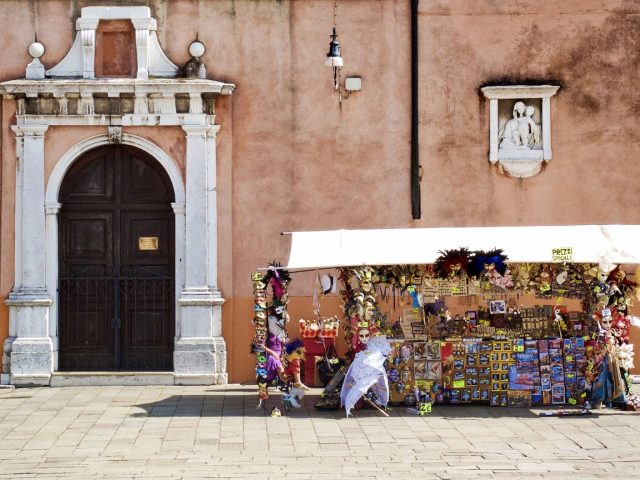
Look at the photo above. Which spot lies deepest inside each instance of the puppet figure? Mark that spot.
(294, 354)
(275, 342)
(607, 382)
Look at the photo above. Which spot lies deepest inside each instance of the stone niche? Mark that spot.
(520, 127)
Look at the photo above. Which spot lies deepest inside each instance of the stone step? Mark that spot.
(83, 379)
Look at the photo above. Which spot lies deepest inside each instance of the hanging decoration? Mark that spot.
(319, 327)
(453, 263)
(270, 320)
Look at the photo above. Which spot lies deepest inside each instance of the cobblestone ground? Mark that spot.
(216, 432)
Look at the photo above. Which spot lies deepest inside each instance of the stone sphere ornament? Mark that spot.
(36, 49)
(196, 49)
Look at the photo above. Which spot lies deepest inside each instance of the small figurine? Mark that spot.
(294, 355)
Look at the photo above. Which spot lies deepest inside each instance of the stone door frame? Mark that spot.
(31, 350)
(52, 208)
(69, 95)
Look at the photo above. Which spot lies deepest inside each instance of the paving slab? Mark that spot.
(159, 432)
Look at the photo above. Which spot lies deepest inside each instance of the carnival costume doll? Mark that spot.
(294, 354)
(275, 343)
(607, 384)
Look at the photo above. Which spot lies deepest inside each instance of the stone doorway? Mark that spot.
(116, 263)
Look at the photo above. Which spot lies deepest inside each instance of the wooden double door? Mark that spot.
(116, 263)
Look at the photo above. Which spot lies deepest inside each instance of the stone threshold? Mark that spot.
(82, 379)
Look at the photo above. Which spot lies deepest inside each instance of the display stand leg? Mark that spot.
(368, 400)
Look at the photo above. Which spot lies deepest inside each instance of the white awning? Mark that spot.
(417, 246)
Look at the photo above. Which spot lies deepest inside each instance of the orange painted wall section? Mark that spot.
(241, 363)
(291, 158)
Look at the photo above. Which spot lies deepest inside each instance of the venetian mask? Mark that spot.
(605, 321)
(363, 335)
(406, 353)
(276, 328)
(355, 311)
(619, 275)
(562, 277)
(368, 311)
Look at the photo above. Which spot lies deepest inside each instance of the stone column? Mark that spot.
(200, 351)
(31, 357)
(178, 213)
(52, 210)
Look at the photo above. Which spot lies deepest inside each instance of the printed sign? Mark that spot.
(562, 254)
(424, 408)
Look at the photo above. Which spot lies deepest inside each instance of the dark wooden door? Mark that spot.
(116, 263)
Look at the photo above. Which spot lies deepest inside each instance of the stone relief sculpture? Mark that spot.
(520, 132)
(518, 144)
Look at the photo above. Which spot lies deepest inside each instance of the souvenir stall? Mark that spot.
(470, 329)
(531, 324)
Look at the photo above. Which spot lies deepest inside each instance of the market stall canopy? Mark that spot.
(418, 246)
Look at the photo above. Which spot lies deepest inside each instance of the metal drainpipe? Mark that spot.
(415, 150)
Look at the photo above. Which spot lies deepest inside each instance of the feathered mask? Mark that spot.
(481, 261)
(278, 278)
(452, 263)
(293, 345)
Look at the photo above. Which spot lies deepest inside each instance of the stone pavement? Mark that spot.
(216, 432)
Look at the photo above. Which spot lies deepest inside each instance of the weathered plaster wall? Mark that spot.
(291, 159)
(590, 49)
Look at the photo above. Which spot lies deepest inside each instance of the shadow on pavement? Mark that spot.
(241, 403)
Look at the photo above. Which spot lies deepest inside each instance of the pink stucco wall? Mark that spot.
(290, 158)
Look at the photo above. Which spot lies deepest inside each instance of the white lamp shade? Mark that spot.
(333, 62)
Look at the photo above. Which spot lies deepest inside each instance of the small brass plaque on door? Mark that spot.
(147, 243)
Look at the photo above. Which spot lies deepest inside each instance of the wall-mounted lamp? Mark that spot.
(333, 57)
(335, 61)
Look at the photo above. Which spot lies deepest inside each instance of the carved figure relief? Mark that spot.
(521, 132)
(520, 127)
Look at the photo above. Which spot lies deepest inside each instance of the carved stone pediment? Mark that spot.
(80, 60)
(520, 127)
(70, 94)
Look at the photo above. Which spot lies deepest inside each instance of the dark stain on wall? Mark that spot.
(502, 80)
(599, 70)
